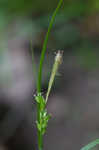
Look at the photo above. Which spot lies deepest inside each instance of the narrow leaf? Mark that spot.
(90, 145)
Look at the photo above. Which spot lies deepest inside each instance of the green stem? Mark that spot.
(45, 46)
(40, 141)
(40, 136)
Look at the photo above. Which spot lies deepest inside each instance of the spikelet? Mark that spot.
(57, 62)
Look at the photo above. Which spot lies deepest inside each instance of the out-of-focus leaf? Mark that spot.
(90, 145)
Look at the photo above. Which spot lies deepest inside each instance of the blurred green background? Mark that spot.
(76, 25)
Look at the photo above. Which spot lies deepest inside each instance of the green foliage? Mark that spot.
(45, 46)
(90, 145)
(43, 115)
(93, 6)
(23, 7)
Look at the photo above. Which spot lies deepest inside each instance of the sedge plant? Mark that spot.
(42, 115)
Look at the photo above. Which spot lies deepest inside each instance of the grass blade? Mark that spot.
(45, 46)
(90, 145)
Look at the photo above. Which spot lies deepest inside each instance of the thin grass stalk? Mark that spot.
(40, 136)
(45, 46)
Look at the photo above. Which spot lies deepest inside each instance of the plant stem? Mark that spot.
(45, 46)
(40, 136)
(40, 141)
